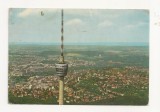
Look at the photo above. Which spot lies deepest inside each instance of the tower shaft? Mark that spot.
(61, 90)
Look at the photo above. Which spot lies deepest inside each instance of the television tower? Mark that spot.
(61, 67)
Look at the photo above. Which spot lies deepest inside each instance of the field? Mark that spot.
(98, 75)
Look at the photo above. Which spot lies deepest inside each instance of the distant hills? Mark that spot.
(92, 43)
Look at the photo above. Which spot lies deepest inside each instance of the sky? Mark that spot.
(80, 25)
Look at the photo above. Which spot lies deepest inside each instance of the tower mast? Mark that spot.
(62, 57)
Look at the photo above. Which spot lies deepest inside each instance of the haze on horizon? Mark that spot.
(80, 26)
